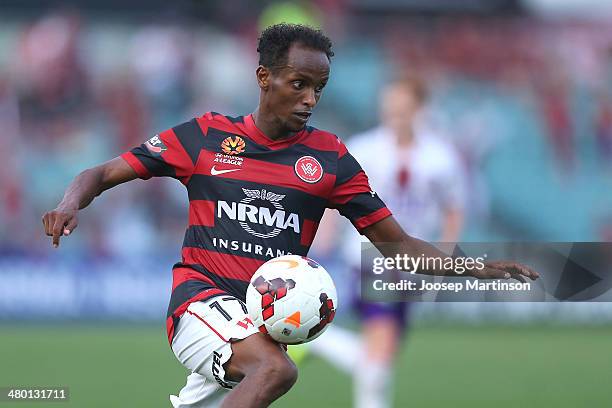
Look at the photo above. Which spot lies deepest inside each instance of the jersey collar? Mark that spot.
(261, 138)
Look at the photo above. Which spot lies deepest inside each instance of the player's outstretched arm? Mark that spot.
(81, 192)
(389, 231)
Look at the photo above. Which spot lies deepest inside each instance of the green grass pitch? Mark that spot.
(480, 366)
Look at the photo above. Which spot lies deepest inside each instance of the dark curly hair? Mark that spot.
(274, 42)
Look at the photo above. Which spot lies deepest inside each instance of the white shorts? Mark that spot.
(202, 343)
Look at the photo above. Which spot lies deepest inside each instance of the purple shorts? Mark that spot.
(398, 311)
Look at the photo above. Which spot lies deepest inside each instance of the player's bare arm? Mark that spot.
(80, 193)
(389, 231)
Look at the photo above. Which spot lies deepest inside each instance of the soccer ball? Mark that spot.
(292, 298)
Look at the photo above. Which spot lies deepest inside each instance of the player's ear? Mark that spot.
(263, 77)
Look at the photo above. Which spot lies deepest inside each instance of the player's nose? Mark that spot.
(309, 98)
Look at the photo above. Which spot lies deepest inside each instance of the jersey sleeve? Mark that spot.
(171, 153)
(352, 195)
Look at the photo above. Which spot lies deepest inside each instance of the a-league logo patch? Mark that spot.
(308, 169)
(155, 145)
(233, 145)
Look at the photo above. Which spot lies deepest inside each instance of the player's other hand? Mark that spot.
(505, 270)
(59, 222)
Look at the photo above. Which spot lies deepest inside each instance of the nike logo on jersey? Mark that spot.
(216, 172)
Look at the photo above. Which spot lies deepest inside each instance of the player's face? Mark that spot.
(295, 89)
(398, 107)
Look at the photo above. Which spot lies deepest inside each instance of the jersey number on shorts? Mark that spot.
(220, 309)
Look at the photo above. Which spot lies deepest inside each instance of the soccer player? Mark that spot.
(258, 185)
(422, 182)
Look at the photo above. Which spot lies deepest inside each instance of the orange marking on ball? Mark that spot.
(294, 319)
(292, 264)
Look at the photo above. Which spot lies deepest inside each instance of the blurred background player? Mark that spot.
(420, 175)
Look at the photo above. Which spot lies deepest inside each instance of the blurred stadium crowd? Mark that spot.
(526, 101)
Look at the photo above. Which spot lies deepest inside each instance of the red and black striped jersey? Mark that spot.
(251, 198)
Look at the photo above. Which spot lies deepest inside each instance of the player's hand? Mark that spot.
(59, 222)
(505, 270)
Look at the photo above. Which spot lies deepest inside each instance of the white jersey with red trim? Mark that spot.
(418, 184)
